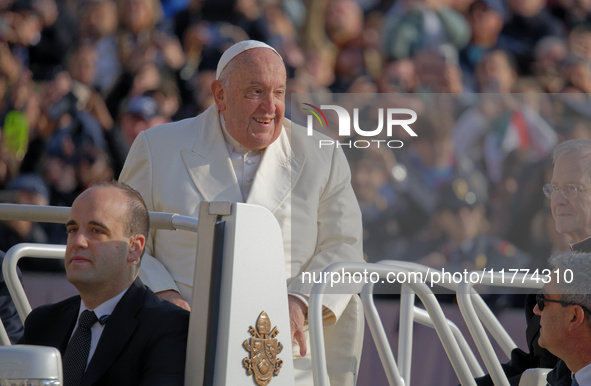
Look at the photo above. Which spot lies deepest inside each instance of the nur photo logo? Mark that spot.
(387, 118)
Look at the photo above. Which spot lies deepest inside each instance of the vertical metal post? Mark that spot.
(407, 304)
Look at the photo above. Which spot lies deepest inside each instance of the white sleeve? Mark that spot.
(137, 173)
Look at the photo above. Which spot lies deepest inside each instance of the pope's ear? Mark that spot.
(218, 91)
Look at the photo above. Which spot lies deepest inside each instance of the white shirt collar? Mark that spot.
(105, 308)
(245, 162)
(584, 376)
(102, 312)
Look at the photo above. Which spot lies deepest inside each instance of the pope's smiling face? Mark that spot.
(252, 97)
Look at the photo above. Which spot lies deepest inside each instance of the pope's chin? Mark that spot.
(260, 140)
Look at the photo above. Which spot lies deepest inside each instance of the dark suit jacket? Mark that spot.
(560, 375)
(143, 343)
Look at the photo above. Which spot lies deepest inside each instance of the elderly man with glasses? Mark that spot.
(570, 202)
(563, 306)
(568, 192)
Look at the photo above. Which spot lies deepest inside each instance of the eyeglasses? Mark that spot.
(568, 191)
(541, 302)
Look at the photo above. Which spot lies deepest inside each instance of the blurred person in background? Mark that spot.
(58, 34)
(82, 69)
(98, 26)
(579, 41)
(283, 35)
(141, 114)
(464, 241)
(317, 73)
(417, 177)
(29, 189)
(60, 175)
(495, 73)
(93, 167)
(521, 126)
(350, 67)
(343, 22)
(148, 54)
(245, 14)
(20, 116)
(74, 126)
(82, 66)
(506, 189)
(370, 181)
(528, 23)
(486, 22)
(21, 29)
(576, 74)
(186, 18)
(423, 25)
(571, 12)
(549, 53)
(398, 76)
(137, 33)
(438, 70)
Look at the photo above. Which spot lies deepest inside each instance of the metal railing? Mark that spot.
(466, 298)
(476, 313)
(442, 326)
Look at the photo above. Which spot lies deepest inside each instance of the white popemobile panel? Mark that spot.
(251, 280)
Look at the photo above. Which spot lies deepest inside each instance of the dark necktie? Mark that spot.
(575, 383)
(76, 354)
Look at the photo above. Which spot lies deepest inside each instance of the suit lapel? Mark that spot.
(70, 314)
(209, 163)
(118, 330)
(278, 172)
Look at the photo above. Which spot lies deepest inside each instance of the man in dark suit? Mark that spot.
(135, 338)
(564, 308)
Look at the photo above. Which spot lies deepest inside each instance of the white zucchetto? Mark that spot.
(237, 49)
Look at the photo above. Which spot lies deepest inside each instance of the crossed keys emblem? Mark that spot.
(263, 363)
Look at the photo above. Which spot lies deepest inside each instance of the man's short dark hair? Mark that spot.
(138, 221)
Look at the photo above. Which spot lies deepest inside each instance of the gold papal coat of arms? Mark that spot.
(263, 363)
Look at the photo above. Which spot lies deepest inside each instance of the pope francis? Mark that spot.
(241, 149)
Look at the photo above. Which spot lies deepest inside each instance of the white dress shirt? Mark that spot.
(583, 376)
(104, 309)
(244, 161)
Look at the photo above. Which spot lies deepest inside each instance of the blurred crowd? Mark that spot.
(509, 79)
